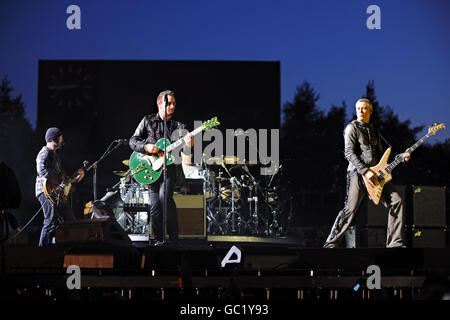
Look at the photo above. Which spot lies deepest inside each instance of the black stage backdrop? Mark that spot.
(95, 102)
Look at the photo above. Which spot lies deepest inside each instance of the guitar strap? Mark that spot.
(384, 139)
(58, 164)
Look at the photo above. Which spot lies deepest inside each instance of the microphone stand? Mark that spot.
(95, 165)
(165, 171)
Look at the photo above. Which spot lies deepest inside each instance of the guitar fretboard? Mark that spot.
(181, 141)
(399, 157)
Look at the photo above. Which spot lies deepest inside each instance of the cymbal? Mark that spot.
(126, 162)
(225, 160)
(220, 179)
(121, 173)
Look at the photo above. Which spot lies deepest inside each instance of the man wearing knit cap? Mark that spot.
(48, 166)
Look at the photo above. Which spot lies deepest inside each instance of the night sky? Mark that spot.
(323, 42)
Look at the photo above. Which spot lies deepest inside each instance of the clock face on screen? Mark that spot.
(70, 87)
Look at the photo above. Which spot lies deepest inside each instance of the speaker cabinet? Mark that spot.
(92, 231)
(429, 206)
(429, 237)
(191, 215)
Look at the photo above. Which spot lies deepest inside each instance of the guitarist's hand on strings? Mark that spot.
(371, 176)
(406, 157)
(80, 175)
(189, 140)
(151, 148)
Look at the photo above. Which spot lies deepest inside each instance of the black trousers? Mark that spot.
(157, 190)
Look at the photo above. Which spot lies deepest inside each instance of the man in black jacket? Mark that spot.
(148, 132)
(361, 150)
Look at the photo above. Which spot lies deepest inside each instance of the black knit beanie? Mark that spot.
(52, 134)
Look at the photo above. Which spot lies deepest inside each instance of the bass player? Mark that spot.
(361, 149)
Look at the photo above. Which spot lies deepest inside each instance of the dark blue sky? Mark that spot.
(324, 42)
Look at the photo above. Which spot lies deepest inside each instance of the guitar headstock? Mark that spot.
(435, 128)
(210, 123)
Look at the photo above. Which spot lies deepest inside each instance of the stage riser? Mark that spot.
(268, 273)
(198, 258)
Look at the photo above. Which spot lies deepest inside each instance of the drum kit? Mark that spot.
(135, 213)
(236, 202)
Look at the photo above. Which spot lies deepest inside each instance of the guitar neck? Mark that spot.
(399, 157)
(181, 140)
(75, 175)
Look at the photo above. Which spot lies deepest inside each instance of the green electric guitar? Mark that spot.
(147, 168)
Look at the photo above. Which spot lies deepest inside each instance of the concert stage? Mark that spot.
(269, 269)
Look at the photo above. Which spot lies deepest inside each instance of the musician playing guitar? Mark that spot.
(362, 148)
(144, 139)
(50, 171)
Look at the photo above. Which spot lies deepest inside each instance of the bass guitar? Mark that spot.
(383, 169)
(147, 168)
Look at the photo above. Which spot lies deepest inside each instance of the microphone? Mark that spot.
(121, 141)
(166, 102)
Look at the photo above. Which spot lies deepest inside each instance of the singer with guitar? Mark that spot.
(50, 173)
(144, 141)
(362, 149)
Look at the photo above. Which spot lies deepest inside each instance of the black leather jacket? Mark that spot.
(361, 146)
(150, 130)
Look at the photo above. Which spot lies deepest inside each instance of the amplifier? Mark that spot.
(429, 237)
(429, 206)
(191, 210)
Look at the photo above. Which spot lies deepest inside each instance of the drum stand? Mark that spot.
(254, 216)
(235, 218)
(275, 228)
(213, 224)
(253, 198)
